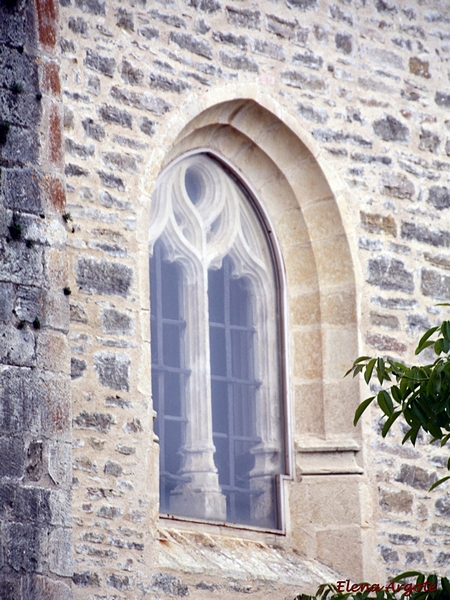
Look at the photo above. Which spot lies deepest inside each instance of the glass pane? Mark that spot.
(193, 183)
(171, 345)
(216, 296)
(219, 406)
(239, 302)
(244, 410)
(170, 290)
(242, 354)
(222, 459)
(218, 351)
(172, 443)
(172, 394)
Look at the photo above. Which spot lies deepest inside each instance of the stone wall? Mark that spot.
(35, 410)
(345, 104)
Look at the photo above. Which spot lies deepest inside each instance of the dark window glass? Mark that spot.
(232, 387)
(168, 374)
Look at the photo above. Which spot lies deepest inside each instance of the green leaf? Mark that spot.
(361, 408)
(369, 369)
(391, 420)
(424, 338)
(385, 402)
(439, 482)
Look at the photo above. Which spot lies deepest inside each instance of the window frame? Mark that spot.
(282, 325)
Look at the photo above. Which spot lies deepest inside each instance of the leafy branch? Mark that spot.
(420, 394)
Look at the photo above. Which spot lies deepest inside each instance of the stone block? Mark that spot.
(111, 181)
(144, 101)
(388, 554)
(307, 59)
(12, 27)
(442, 99)
(78, 25)
(102, 64)
(311, 113)
(60, 462)
(172, 20)
(42, 588)
(130, 74)
(79, 150)
(240, 62)
(376, 223)
(113, 370)
(13, 457)
(339, 136)
(169, 584)
(302, 5)
(207, 6)
(304, 81)
(240, 41)
(344, 42)
(442, 507)
(103, 277)
(34, 465)
(111, 114)
(416, 477)
(60, 502)
(149, 32)
(396, 501)
(11, 400)
(429, 141)
(94, 421)
(147, 126)
(86, 579)
(109, 512)
(385, 343)
(396, 185)
(108, 114)
(282, 28)
(412, 231)
(28, 304)
(21, 189)
(435, 285)
(19, 109)
(242, 17)
(112, 468)
(193, 44)
(439, 197)
(60, 552)
(268, 49)
(116, 322)
(72, 170)
(390, 274)
(77, 368)
(32, 504)
(95, 7)
(21, 147)
(17, 346)
(125, 19)
(120, 162)
(6, 301)
(390, 129)
(24, 545)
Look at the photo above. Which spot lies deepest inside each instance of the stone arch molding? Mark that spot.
(314, 238)
(307, 215)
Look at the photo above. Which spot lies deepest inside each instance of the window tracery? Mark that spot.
(215, 348)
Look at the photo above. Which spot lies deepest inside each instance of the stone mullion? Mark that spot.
(201, 497)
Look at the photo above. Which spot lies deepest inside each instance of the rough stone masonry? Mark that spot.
(94, 96)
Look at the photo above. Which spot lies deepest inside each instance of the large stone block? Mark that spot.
(13, 457)
(439, 197)
(17, 346)
(391, 129)
(24, 547)
(413, 231)
(113, 370)
(6, 301)
(435, 285)
(416, 477)
(21, 189)
(38, 587)
(390, 274)
(103, 277)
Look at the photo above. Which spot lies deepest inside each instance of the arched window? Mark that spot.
(216, 348)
